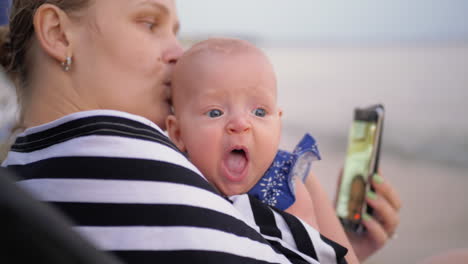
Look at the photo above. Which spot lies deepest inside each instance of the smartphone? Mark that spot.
(361, 162)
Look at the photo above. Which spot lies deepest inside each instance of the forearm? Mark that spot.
(325, 214)
(303, 207)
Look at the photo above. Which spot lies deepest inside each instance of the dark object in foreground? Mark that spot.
(34, 232)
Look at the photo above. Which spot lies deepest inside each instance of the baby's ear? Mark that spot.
(173, 129)
(280, 112)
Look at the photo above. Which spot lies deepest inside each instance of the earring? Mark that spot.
(66, 65)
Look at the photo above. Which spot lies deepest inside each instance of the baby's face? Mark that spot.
(227, 119)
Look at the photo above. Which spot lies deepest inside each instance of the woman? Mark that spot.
(113, 171)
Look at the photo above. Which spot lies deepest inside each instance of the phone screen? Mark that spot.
(360, 164)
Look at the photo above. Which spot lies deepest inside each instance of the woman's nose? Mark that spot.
(238, 124)
(173, 53)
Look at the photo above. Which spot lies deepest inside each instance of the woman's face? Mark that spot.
(123, 55)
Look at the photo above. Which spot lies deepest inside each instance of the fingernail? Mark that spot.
(366, 217)
(377, 178)
(371, 195)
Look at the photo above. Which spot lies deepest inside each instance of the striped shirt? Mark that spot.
(130, 191)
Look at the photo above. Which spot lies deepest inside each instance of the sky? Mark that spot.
(324, 20)
(328, 20)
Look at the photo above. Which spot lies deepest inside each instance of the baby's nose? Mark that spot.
(238, 124)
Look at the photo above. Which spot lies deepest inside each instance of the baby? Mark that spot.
(227, 120)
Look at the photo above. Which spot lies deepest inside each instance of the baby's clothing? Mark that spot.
(276, 187)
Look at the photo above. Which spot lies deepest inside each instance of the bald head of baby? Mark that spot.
(219, 60)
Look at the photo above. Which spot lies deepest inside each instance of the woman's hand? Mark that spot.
(382, 225)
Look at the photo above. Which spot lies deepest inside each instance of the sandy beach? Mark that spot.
(424, 152)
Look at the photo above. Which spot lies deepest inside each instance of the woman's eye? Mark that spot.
(214, 113)
(149, 24)
(259, 112)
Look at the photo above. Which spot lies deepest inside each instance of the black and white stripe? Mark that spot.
(130, 191)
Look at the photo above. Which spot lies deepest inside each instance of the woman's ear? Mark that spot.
(52, 28)
(173, 129)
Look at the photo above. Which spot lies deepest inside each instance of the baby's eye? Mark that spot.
(214, 113)
(259, 112)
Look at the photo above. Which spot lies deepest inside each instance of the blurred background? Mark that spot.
(333, 56)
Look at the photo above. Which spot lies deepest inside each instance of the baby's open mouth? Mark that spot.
(235, 163)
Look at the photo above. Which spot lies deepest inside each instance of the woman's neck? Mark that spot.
(46, 103)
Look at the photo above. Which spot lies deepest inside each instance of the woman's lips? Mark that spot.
(168, 92)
